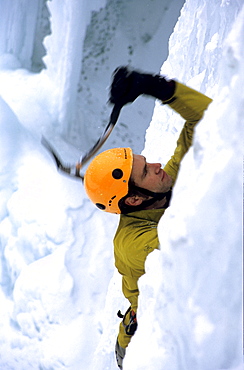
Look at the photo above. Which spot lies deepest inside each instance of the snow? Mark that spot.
(59, 289)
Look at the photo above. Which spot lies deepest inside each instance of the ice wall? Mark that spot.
(64, 47)
(22, 30)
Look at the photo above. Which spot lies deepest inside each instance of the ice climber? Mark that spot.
(119, 181)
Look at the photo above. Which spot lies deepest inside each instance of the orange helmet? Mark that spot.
(106, 178)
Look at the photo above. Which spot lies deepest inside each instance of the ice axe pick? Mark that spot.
(74, 170)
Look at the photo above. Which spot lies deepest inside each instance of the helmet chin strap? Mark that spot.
(154, 199)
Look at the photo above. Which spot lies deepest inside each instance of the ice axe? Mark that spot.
(74, 170)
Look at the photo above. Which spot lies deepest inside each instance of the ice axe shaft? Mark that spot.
(74, 170)
(113, 119)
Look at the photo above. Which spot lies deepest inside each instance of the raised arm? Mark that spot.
(190, 104)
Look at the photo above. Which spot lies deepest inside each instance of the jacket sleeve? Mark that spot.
(131, 292)
(190, 104)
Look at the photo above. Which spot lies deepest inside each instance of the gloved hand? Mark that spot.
(128, 84)
(129, 321)
(120, 354)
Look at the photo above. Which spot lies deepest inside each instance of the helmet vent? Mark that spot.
(110, 202)
(100, 206)
(117, 174)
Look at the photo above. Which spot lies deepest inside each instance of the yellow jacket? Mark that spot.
(136, 235)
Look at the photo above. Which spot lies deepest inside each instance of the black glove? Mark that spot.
(128, 84)
(120, 354)
(130, 322)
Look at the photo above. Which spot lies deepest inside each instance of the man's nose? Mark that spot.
(156, 167)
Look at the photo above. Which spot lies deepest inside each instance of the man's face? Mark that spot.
(150, 176)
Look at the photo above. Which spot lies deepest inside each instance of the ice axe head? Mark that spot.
(74, 170)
